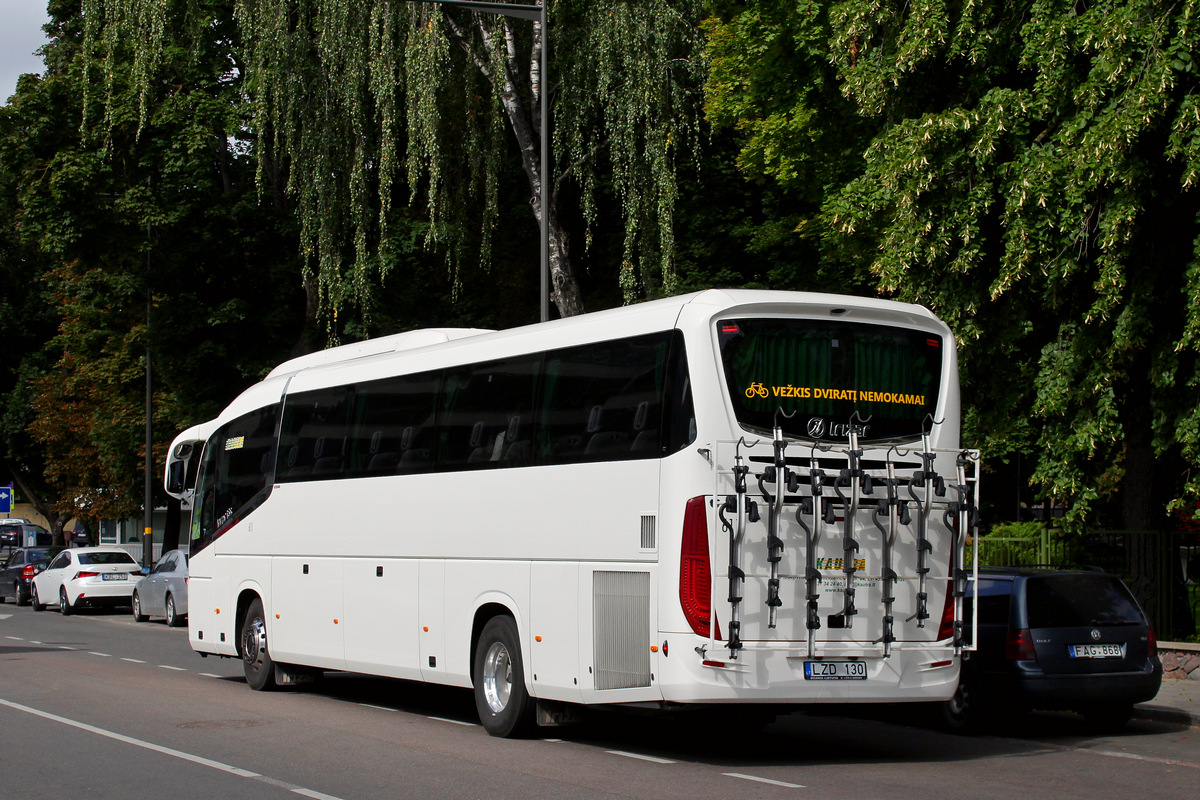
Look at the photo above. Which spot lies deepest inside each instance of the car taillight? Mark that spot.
(29, 571)
(1018, 645)
(695, 571)
(1152, 645)
(79, 575)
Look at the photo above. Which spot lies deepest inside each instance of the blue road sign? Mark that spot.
(6, 498)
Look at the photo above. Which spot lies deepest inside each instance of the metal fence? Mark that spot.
(1148, 561)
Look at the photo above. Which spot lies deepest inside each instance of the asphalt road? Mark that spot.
(98, 706)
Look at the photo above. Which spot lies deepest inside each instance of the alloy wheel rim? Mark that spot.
(497, 677)
(254, 643)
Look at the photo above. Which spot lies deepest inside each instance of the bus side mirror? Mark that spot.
(175, 476)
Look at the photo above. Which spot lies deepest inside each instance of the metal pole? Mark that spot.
(545, 169)
(148, 497)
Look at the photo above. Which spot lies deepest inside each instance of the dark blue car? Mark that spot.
(1072, 639)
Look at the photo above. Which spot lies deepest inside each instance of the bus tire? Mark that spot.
(501, 699)
(256, 658)
(962, 712)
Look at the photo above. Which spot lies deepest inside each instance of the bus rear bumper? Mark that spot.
(778, 674)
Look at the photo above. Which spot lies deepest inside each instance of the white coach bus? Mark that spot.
(729, 497)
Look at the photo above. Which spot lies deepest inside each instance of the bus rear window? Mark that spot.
(820, 373)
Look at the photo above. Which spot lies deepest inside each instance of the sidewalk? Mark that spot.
(1178, 701)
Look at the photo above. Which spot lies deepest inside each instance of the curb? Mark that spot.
(1166, 714)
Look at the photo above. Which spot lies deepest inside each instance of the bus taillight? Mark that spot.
(695, 571)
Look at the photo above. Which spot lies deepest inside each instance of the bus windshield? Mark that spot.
(819, 373)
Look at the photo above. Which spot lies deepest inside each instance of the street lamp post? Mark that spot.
(536, 14)
(148, 487)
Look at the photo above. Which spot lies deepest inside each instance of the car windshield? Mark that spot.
(107, 558)
(1076, 601)
(38, 556)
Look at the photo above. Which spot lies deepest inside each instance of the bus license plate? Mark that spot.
(114, 576)
(1097, 650)
(835, 670)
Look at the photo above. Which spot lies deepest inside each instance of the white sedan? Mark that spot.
(86, 576)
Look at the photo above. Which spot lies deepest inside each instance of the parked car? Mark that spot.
(1071, 639)
(164, 591)
(86, 576)
(23, 534)
(23, 563)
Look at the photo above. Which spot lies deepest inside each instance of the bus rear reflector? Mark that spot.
(695, 571)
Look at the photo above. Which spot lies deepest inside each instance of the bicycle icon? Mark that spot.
(756, 389)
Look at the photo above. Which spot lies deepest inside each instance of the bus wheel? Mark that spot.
(256, 660)
(504, 705)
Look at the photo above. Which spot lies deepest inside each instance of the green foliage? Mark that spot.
(99, 217)
(1028, 171)
(370, 102)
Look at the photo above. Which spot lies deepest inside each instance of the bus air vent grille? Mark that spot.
(621, 605)
(649, 538)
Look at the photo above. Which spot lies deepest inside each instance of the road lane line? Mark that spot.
(168, 666)
(134, 660)
(15, 638)
(102, 655)
(757, 779)
(381, 708)
(167, 751)
(453, 721)
(640, 757)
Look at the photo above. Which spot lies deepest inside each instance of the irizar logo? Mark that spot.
(860, 564)
(818, 428)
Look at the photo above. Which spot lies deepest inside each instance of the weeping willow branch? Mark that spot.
(375, 101)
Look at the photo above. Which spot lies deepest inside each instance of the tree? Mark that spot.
(101, 221)
(1028, 170)
(365, 100)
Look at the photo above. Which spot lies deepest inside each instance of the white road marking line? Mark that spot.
(757, 779)
(15, 638)
(168, 666)
(134, 660)
(102, 655)
(381, 708)
(210, 675)
(167, 751)
(64, 647)
(453, 721)
(640, 757)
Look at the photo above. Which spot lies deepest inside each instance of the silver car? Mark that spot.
(163, 593)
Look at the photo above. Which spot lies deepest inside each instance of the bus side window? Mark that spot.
(604, 401)
(312, 441)
(486, 414)
(394, 424)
